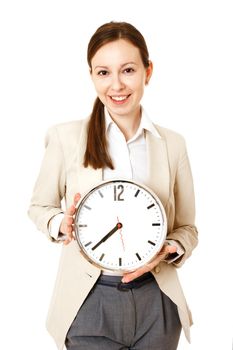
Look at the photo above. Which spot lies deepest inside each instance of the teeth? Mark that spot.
(119, 98)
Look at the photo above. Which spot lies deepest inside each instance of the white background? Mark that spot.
(44, 80)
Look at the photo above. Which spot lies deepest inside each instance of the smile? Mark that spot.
(119, 99)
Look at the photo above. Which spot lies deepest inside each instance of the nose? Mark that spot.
(117, 83)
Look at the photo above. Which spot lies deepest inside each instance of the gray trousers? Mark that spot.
(141, 318)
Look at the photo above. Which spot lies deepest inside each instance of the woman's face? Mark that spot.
(119, 77)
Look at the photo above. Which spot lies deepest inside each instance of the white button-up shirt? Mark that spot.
(129, 157)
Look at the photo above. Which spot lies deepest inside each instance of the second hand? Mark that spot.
(122, 241)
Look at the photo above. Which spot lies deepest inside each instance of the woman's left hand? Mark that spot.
(162, 255)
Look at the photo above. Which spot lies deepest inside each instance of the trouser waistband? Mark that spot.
(115, 281)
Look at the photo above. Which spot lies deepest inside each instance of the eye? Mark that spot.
(129, 70)
(102, 72)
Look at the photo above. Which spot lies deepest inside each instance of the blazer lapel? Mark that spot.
(159, 173)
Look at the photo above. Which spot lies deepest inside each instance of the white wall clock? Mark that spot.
(120, 225)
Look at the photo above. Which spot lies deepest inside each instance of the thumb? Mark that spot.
(72, 209)
(170, 249)
(76, 199)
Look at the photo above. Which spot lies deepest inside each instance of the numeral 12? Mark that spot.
(118, 191)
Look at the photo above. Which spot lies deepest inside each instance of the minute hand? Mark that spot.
(109, 234)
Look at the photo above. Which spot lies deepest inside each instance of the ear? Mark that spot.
(149, 71)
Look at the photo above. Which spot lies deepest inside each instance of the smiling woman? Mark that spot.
(118, 141)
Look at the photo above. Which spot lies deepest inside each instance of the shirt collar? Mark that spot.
(145, 124)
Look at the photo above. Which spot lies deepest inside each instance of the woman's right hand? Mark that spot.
(67, 224)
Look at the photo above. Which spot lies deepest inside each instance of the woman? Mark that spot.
(118, 140)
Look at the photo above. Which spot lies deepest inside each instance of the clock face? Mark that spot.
(120, 225)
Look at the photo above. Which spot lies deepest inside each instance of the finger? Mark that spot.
(128, 277)
(148, 267)
(69, 229)
(67, 240)
(70, 211)
(69, 237)
(69, 220)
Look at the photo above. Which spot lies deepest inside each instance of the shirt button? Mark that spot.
(157, 269)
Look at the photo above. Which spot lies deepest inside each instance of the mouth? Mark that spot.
(120, 99)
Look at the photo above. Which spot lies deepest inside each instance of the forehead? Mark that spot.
(116, 52)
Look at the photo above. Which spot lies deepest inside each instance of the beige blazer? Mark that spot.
(62, 175)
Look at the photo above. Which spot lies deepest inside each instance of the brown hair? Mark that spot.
(96, 154)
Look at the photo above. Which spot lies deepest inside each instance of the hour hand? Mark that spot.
(109, 234)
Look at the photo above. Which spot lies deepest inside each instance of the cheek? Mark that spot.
(100, 86)
(139, 87)
(137, 83)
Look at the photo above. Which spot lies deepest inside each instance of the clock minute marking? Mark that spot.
(138, 256)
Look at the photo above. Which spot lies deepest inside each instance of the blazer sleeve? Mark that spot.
(50, 186)
(184, 230)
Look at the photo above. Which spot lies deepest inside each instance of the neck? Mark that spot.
(128, 124)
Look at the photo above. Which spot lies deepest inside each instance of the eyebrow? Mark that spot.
(124, 64)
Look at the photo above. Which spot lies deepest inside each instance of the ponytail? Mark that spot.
(96, 154)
